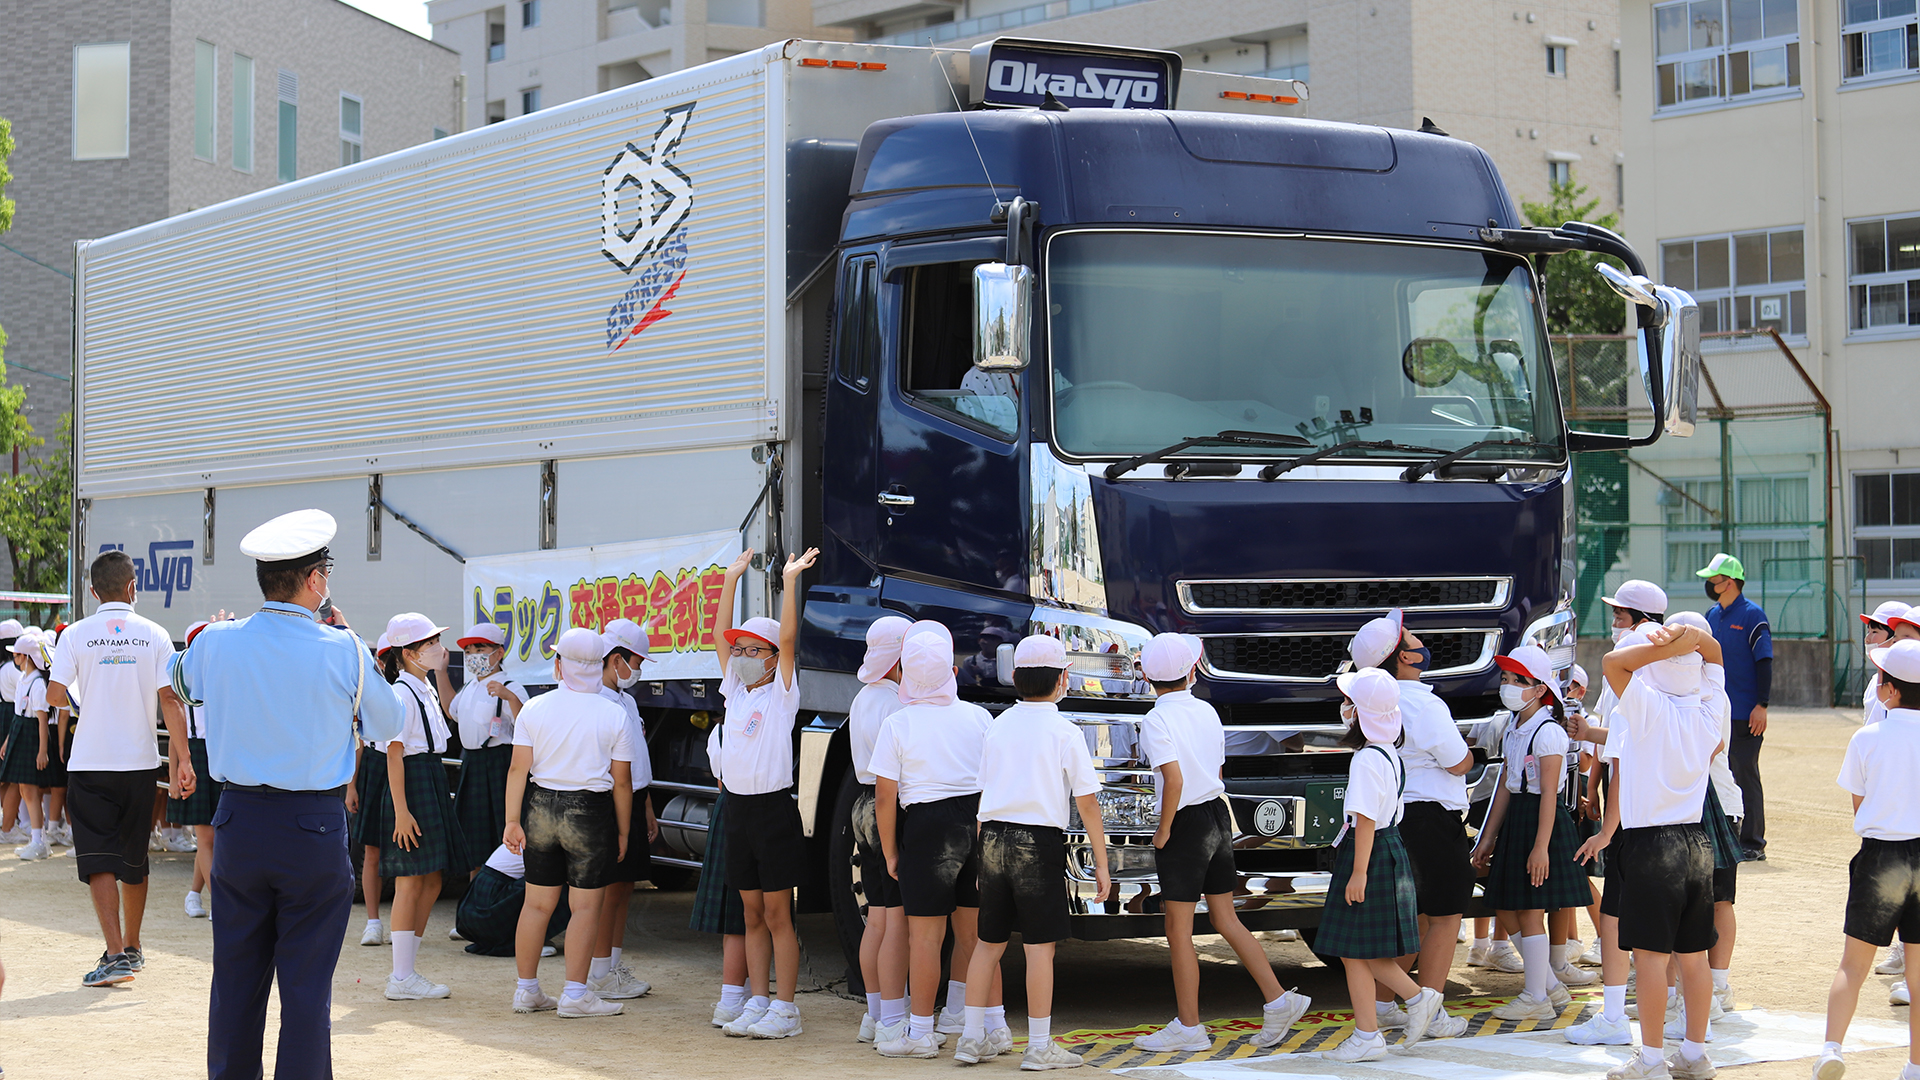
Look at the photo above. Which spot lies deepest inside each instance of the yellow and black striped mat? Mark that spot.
(1315, 1031)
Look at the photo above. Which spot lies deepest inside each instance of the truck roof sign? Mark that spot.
(1016, 72)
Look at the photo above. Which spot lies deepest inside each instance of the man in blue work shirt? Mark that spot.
(280, 695)
(1746, 644)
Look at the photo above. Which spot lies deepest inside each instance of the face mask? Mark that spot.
(1620, 632)
(746, 669)
(1514, 697)
(1712, 593)
(1425, 654)
(632, 676)
(1349, 713)
(479, 665)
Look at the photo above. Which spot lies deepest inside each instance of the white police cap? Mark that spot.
(289, 536)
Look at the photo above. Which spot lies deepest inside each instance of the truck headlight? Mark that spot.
(1122, 810)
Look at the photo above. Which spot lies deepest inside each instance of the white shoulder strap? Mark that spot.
(360, 648)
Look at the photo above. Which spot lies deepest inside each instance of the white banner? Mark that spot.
(670, 586)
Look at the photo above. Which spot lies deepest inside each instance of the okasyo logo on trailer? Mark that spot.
(167, 568)
(652, 236)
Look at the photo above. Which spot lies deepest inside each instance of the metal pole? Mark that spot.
(1726, 486)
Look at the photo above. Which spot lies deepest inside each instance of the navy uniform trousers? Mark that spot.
(282, 893)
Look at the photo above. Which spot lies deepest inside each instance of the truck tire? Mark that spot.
(843, 880)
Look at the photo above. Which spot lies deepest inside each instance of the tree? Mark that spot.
(1578, 300)
(36, 514)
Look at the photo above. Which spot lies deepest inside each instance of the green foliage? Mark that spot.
(1578, 300)
(6, 151)
(36, 510)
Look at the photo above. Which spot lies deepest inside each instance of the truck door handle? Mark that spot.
(894, 498)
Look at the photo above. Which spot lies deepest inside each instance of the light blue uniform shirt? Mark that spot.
(278, 690)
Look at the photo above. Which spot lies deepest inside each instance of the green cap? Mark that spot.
(1723, 563)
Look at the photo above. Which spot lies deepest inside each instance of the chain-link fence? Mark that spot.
(1754, 480)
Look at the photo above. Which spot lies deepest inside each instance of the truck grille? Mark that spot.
(1317, 657)
(1344, 594)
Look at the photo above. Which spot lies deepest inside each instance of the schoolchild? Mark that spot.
(1902, 627)
(33, 763)
(1721, 818)
(419, 839)
(1371, 916)
(1433, 828)
(926, 767)
(1528, 841)
(751, 752)
(1034, 767)
(1662, 738)
(12, 819)
(363, 820)
(1586, 812)
(569, 798)
(196, 810)
(1875, 632)
(716, 910)
(1181, 737)
(1883, 889)
(883, 945)
(608, 975)
(483, 712)
(489, 913)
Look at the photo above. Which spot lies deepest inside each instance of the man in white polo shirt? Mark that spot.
(112, 667)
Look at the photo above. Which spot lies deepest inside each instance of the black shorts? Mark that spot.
(1198, 858)
(1666, 903)
(572, 837)
(766, 849)
(637, 865)
(1611, 885)
(1883, 892)
(939, 856)
(112, 813)
(881, 890)
(1023, 883)
(1436, 840)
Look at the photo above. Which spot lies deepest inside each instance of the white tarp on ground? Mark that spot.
(1741, 1038)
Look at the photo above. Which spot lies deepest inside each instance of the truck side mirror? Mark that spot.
(1669, 354)
(1002, 316)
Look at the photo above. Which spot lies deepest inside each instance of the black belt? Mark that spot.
(268, 789)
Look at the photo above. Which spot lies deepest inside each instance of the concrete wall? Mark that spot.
(1802, 670)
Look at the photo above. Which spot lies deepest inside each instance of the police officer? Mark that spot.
(279, 692)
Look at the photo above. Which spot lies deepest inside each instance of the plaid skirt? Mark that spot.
(489, 913)
(1386, 924)
(23, 750)
(480, 803)
(1726, 842)
(1508, 888)
(370, 784)
(440, 847)
(716, 908)
(197, 808)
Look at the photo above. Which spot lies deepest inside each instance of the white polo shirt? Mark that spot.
(485, 720)
(1433, 745)
(1033, 764)
(1373, 786)
(1186, 731)
(505, 861)
(10, 679)
(114, 663)
(425, 730)
(576, 737)
(871, 707)
(636, 734)
(33, 697)
(1713, 693)
(751, 751)
(1881, 763)
(1664, 745)
(1526, 745)
(932, 751)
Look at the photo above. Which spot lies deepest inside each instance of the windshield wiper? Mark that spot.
(1415, 472)
(1280, 468)
(1225, 438)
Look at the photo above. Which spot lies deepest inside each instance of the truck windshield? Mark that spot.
(1158, 336)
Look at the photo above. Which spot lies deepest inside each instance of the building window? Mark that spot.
(1881, 38)
(1772, 537)
(530, 100)
(1884, 283)
(287, 137)
(496, 111)
(439, 133)
(1616, 69)
(1747, 281)
(243, 113)
(1557, 60)
(1720, 51)
(496, 42)
(529, 13)
(350, 139)
(1560, 173)
(100, 101)
(1886, 524)
(206, 113)
(1619, 186)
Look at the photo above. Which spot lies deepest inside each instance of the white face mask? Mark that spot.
(1620, 632)
(633, 674)
(479, 665)
(746, 669)
(1514, 697)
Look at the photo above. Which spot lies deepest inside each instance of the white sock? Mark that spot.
(36, 835)
(783, 1008)
(731, 995)
(956, 995)
(617, 950)
(1910, 1072)
(1534, 950)
(1691, 1050)
(599, 968)
(406, 946)
(893, 1012)
(1719, 978)
(1382, 1008)
(919, 1027)
(529, 985)
(1613, 1003)
(757, 1003)
(1650, 1054)
(873, 1006)
(1483, 943)
(574, 990)
(996, 1017)
(976, 1022)
(1831, 1048)
(193, 894)
(1279, 1001)
(373, 922)
(1368, 1036)
(1039, 1028)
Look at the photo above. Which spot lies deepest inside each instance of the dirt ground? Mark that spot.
(50, 1026)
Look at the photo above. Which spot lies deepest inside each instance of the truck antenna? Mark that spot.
(998, 207)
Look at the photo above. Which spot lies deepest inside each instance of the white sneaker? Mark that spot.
(1677, 1027)
(453, 934)
(1571, 950)
(972, 1051)
(1047, 1054)
(1358, 1047)
(1277, 1023)
(533, 1001)
(1000, 1041)
(1559, 995)
(1390, 1020)
(1276, 935)
(1479, 957)
(182, 842)
(777, 1024)
(415, 987)
(1723, 999)
(1420, 1013)
(736, 1028)
(156, 842)
(906, 1046)
(374, 934)
(60, 834)
(1897, 994)
(950, 1021)
(1673, 1010)
(1680, 1068)
(618, 985)
(1829, 1066)
(1573, 976)
(1592, 956)
(1526, 1007)
(35, 849)
(1447, 1027)
(867, 1024)
(15, 835)
(1600, 1031)
(1894, 963)
(1638, 1068)
(727, 1014)
(1504, 957)
(548, 950)
(588, 1004)
(195, 908)
(1174, 1038)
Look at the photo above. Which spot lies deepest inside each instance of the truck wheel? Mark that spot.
(1307, 934)
(843, 881)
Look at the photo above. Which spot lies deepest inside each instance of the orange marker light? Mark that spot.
(873, 67)
(845, 64)
(812, 61)
(1231, 95)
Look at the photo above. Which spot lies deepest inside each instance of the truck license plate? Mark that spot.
(1325, 802)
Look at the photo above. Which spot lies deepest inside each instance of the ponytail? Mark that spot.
(390, 664)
